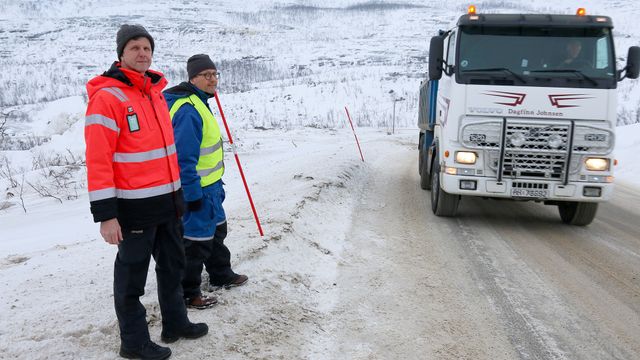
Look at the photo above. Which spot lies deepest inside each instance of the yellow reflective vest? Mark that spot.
(210, 165)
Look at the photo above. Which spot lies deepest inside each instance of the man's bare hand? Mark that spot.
(111, 232)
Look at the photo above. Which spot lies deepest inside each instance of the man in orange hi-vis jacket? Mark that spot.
(135, 192)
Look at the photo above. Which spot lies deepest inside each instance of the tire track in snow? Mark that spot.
(540, 321)
(317, 190)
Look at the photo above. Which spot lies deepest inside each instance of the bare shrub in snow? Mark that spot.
(5, 205)
(6, 118)
(23, 142)
(7, 172)
(58, 175)
(21, 193)
(61, 81)
(381, 6)
(8, 140)
(3, 127)
(239, 75)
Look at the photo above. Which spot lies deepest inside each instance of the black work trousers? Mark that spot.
(164, 243)
(218, 264)
(214, 255)
(196, 253)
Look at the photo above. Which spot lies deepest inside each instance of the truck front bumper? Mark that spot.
(525, 189)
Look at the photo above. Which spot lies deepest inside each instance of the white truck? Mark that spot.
(522, 107)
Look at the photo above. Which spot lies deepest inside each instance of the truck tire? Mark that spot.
(442, 203)
(425, 177)
(577, 213)
(420, 155)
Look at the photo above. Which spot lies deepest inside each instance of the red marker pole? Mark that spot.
(354, 133)
(235, 154)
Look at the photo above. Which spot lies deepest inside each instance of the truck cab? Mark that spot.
(522, 107)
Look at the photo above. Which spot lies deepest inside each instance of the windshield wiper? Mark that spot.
(497, 69)
(572, 71)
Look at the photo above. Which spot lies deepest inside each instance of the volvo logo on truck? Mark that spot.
(485, 110)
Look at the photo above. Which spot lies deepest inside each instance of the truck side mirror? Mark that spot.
(436, 51)
(633, 63)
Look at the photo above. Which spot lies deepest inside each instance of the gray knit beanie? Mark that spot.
(128, 32)
(198, 63)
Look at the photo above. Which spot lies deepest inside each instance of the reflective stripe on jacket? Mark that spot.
(130, 153)
(210, 166)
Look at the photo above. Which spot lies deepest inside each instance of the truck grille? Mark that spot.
(529, 153)
(534, 148)
(524, 165)
(536, 137)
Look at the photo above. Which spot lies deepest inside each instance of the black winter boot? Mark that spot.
(191, 331)
(148, 351)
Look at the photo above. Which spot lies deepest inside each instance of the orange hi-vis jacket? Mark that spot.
(132, 166)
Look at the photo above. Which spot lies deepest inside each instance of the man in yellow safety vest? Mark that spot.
(200, 155)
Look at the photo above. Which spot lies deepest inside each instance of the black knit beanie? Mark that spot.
(128, 32)
(198, 63)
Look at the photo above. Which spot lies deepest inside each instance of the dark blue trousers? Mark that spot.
(164, 243)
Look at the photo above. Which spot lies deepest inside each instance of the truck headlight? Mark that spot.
(465, 157)
(597, 164)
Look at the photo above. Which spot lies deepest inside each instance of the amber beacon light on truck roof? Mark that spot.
(473, 10)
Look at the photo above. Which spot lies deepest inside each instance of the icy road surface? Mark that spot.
(503, 280)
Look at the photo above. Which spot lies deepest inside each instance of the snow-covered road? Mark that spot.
(503, 280)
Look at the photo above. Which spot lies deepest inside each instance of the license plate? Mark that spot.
(530, 193)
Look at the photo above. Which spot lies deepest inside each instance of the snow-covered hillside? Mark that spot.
(303, 60)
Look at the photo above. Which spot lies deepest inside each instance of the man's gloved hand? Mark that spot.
(194, 205)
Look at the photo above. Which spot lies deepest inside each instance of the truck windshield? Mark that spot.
(550, 57)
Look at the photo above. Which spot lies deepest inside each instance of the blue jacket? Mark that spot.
(187, 129)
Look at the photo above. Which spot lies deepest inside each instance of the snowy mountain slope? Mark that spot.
(56, 47)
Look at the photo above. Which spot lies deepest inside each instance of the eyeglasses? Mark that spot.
(210, 75)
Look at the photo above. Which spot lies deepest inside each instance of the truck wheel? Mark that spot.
(442, 203)
(420, 160)
(425, 178)
(577, 213)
